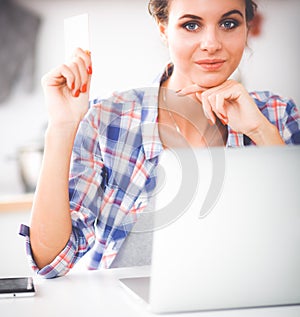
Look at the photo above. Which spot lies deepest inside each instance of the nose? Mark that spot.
(210, 41)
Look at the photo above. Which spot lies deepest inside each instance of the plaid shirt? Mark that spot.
(113, 171)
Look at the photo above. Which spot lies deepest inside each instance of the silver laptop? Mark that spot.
(226, 230)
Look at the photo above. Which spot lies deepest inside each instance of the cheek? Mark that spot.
(181, 47)
(236, 49)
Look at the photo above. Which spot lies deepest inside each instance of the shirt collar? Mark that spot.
(151, 140)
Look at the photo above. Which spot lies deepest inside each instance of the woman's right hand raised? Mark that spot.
(66, 90)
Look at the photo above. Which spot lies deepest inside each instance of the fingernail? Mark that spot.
(179, 92)
(88, 52)
(77, 92)
(73, 85)
(90, 70)
(83, 88)
(223, 121)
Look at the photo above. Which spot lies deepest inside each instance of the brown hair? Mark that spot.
(159, 9)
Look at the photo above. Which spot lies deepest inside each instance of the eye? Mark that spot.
(191, 26)
(229, 24)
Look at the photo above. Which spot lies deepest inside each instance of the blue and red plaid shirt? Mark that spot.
(113, 171)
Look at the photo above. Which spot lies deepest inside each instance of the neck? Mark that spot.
(182, 121)
(172, 83)
(185, 109)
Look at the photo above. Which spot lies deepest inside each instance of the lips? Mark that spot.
(211, 64)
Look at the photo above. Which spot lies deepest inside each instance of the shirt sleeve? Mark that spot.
(86, 184)
(291, 124)
(60, 265)
(281, 112)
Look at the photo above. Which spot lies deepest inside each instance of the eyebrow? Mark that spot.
(225, 15)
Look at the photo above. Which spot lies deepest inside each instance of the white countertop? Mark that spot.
(86, 293)
(99, 293)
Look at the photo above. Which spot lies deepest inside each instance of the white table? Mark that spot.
(99, 293)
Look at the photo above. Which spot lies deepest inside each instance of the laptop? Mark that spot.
(226, 230)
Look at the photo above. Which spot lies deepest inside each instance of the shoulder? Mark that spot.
(119, 103)
(282, 112)
(120, 100)
(266, 100)
(133, 104)
(276, 108)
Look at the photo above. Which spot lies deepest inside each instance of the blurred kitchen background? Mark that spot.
(127, 52)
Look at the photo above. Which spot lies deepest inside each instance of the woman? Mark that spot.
(99, 164)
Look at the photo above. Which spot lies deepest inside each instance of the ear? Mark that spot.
(162, 27)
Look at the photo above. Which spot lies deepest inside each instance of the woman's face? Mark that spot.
(206, 40)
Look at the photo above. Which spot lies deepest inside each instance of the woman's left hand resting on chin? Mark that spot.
(233, 105)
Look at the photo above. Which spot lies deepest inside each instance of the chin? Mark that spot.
(211, 82)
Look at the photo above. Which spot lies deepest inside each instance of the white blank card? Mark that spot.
(76, 33)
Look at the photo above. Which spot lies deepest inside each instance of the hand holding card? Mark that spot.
(66, 87)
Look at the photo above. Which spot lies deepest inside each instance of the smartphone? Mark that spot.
(16, 287)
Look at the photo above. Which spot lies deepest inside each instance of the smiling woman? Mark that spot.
(100, 157)
(206, 44)
(214, 39)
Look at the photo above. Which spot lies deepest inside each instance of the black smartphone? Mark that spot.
(16, 287)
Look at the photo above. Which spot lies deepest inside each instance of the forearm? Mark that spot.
(266, 134)
(51, 222)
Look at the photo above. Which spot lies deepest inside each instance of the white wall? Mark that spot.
(12, 249)
(273, 62)
(127, 52)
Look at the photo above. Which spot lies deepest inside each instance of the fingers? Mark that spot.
(81, 67)
(195, 88)
(207, 108)
(198, 91)
(214, 100)
(214, 105)
(75, 74)
(80, 76)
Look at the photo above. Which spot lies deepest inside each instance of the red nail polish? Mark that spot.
(223, 121)
(179, 92)
(83, 88)
(73, 85)
(90, 70)
(77, 93)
